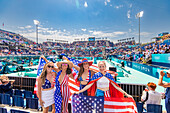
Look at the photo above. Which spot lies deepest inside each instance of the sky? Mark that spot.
(73, 19)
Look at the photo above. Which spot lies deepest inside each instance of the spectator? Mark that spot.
(150, 96)
(165, 85)
(6, 84)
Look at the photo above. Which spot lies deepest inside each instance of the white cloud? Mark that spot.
(108, 0)
(105, 3)
(128, 14)
(97, 32)
(21, 27)
(119, 6)
(85, 4)
(64, 30)
(28, 26)
(90, 31)
(83, 29)
(130, 5)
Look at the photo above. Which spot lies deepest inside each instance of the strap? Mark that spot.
(147, 95)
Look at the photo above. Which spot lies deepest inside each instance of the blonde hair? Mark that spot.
(102, 62)
(44, 72)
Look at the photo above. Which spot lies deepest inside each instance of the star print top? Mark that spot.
(47, 84)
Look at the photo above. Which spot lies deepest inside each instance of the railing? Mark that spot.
(133, 89)
(26, 83)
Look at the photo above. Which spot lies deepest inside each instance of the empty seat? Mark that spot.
(17, 111)
(5, 99)
(3, 110)
(32, 103)
(18, 92)
(154, 108)
(139, 107)
(18, 101)
(27, 94)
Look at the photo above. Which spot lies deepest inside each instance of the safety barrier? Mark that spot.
(26, 83)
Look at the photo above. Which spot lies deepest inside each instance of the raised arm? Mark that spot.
(160, 82)
(118, 88)
(76, 67)
(44, 58)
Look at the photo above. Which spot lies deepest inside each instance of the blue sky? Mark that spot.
(70, 19)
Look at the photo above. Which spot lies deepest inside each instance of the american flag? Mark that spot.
(41, 64)
(91, 104)
(87, 104)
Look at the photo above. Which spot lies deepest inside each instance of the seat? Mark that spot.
(32, 103)
(18, 101)
(154, 108)
(27, 94)
(18, 92)
(139, 107)
(5, 99)
(17, 111)
(3, 110)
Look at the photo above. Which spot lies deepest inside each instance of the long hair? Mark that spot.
(44, 73)
(80, 72)
(68, 71)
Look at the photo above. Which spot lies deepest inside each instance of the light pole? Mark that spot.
(36, 22)
(139, 15)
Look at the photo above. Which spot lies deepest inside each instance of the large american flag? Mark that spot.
(91, 104)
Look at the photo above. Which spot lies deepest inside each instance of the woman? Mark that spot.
(84, 75)
(46, 87)
(167, 86)
(62, 92)
(103, 84)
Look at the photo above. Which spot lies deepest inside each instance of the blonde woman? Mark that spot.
(46, 87)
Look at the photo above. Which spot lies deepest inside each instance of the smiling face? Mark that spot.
(102, 66)
(86, 65)
(50, 67)
(64, 66)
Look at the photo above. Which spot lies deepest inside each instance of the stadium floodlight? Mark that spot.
(36, 22)
(139, 15)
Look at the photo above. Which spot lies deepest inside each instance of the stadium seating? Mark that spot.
(32, 103)
(18, 101)
(139, 107)
(5, 99)
(154, 108)
(17, 111)
(27, 94)
(3, 110)
(18, 92)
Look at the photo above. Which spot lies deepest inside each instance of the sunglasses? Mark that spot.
(50, 66)
(64, 64)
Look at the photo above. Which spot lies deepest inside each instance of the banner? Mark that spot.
(161, 59)
(143, 68)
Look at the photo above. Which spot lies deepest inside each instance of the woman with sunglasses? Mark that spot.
(46, 87)
(103, 84)
(167, 86)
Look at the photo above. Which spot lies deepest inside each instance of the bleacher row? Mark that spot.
(18, 98)
(151, 108)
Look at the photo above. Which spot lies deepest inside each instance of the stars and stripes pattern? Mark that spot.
(87, 104)
(41, 64)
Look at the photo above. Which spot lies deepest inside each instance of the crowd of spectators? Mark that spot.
(15, 44)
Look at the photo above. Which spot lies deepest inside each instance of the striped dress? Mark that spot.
(63, 96)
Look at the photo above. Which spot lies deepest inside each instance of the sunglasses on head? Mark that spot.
(65, 64)
(50, 66)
